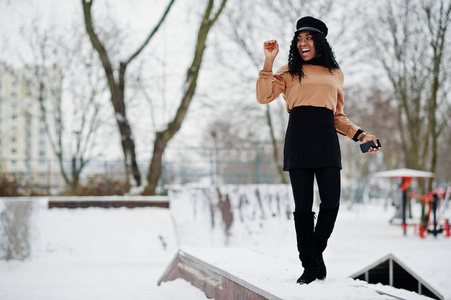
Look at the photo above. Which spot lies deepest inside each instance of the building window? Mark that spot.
(42, 178)
(42, 130)
(14, 117)
(41, 153)
(13, 150)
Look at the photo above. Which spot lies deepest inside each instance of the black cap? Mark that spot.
(311, 24)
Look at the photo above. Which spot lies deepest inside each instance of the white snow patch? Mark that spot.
(121, 253)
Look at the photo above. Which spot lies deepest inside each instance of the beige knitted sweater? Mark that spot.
(318, 88)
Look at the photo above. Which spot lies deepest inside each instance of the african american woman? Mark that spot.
(311, 84)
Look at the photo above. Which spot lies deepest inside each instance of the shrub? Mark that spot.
(9, 187)
(101, 186)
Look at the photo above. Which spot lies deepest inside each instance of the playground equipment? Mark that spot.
(435, 200)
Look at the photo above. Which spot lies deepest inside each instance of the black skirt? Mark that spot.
(311, 139)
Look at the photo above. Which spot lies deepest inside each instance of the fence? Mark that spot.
(180, 166)
(222, 166)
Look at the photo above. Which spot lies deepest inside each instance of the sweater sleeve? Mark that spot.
(269, 86)
(342, 123)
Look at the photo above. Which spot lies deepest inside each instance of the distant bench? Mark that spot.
(108, 201)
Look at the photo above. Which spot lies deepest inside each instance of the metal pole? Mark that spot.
(434, 213)
(404, 202)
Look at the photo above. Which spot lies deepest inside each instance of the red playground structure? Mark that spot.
(436, 201)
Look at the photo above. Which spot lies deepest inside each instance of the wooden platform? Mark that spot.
(108, 201)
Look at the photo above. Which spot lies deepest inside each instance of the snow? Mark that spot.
(121, 253)
(248, 265)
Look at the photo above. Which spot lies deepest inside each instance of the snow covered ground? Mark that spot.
(121, 253)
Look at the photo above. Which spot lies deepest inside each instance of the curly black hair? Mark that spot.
(325, 55)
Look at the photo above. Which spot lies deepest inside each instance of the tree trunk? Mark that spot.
(117, 90)
(155, 167)
(163, 137)
(75, 175)
(117, 99)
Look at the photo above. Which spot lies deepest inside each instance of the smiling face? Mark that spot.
(305, 45)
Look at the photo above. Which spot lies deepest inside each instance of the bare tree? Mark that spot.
(163, 137)
(71, 125)
(378, 105)
(437, 17)
(117, 84)
(242, 28)
(412, 41)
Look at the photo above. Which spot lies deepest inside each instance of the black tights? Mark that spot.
(329, 186)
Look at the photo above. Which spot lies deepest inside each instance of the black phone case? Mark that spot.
(365, 147)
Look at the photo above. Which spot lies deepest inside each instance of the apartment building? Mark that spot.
(25, 151)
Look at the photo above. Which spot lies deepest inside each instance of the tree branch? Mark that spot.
(98, 46)
(152, 33)
(221, 8)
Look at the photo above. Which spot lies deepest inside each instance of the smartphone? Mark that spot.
(366, 146)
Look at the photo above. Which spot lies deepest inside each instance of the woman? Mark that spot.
(311, 84)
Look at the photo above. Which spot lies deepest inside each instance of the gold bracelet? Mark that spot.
(362, 136)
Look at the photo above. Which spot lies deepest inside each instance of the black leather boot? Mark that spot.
(323, 230)
(304, 223)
